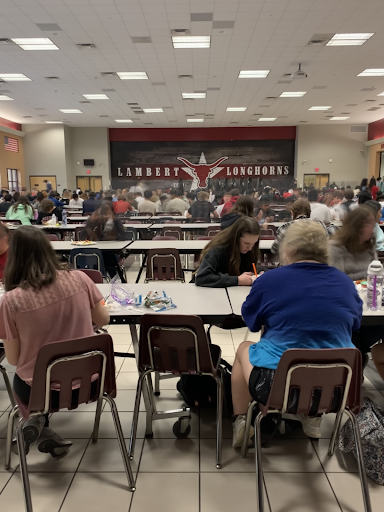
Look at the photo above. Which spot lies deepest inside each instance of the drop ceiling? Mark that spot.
(135, 36)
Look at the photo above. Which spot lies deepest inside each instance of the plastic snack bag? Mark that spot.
(158, 302)
(123, 297)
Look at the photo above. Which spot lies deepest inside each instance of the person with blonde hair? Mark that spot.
(202, 208)
(294, 307)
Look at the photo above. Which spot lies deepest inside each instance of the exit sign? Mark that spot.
(88, 172)
(317, 169)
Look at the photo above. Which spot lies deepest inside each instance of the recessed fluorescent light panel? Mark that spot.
(191, 41)
(193, 95)
(338, 118)
(70, 111)
(349, 39)
(14, 77)
(123, 121)
(267, 119)
(195, 120)
(381, 94)
(367, 72)
(150, 110)
(54, 122)
(254, 73)
(35, 43)
(95, 96)
(132, 75)
(5, 98)
(320, 108)
(292, 94)
(236, 109)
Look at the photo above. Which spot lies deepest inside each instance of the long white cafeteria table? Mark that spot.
(189, 226)
(66, 247)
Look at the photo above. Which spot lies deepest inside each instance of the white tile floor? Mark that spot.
(180, 475)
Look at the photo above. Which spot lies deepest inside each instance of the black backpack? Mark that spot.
(200, 391)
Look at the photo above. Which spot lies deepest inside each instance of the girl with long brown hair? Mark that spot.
(228, 259)
(244, 206)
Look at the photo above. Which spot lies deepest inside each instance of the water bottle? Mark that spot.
(64, 219)
(375, 280)
(53, 220)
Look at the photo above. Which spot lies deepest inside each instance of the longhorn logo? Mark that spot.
(202, 171)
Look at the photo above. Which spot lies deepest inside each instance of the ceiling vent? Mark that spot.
(271, 98)
(108, 74)
(358, 128)
(180, 31)
(84, 102)
(143, 39)
(103, 116)
(53, 78)
(320, 39)
(185, 76)
(372, 101)
(27, 117)
(86, 46)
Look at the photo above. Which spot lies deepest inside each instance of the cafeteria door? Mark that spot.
(94, 183)
(37, 182)
(316, 180)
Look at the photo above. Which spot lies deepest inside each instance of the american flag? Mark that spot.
(11, 144)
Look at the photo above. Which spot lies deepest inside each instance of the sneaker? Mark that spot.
(52, 443)
(238, 431)
(32, 429)
(311, 426)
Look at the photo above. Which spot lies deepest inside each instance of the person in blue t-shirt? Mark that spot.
(293, 309)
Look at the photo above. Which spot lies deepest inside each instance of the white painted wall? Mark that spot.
(44, 153)
(317, 144)
(83, 143)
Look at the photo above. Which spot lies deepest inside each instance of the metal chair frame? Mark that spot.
(336, 428)
(152, 414)
(19, 427)
(87, 255)
(4, 372)
(173, 257)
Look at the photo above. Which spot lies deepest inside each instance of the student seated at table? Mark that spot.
(378, 233)
(286, 215)
(21, 210)
(243, 206)
(147, 206)
(295, 309)
(103, 225)
(352, 248)
(227, 259)
(76, 201)
(230, 203)
(39, 289)
(264, 212)
(6, 204)
(202, 208)
(47, 209)
(121, 205)
(176, 204)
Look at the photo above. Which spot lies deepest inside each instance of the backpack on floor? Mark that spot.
(200, 391)
(371, 426)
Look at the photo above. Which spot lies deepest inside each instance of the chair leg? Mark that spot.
(246, 335)
(99, 408)
(8, 385)
(335, 433)
(135, 419)
(244, 447)
(360, 461)
(120, 438)
(23, 466)
(258, 464)
(152, 407)
(219, 421)
(157, 384)
(8, 443)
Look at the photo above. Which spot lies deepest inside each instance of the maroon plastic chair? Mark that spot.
(164, 265)
(267, 234)
(62, 363)
(306, 371)
(95, 275)
(171, 222)
(129, 221)
(52, 238)
(175, 344)
(212, 231)
(172, 231)
(270, 227)
(160, 237)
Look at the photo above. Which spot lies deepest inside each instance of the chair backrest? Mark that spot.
(266, 236)
(199, 220)
(129, 221)
(160, 237)
(173, 231)
(270, 227)
(322, 369)
(164, 265)
(174, 343)
(8, 221)
(95, 275)
(66, 362)
(204, 237)
(131, 234)
(171, 221)
(145, 214)
(212, 231)
(52, 238)
(165, 219)
(87, 258)
(78, 232)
